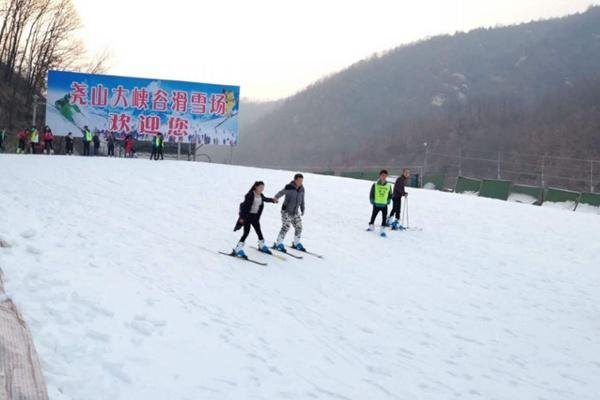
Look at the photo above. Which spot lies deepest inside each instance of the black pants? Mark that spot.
(255, 223)
(22, 145)
(154, 154)
(396, 208)
(160, 153)
(86, 148)
(96, 148)
(377, 210)
(111, 150)
(69, 148)
(33, 147)
(48, 146)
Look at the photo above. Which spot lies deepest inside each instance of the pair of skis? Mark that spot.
(278, 255)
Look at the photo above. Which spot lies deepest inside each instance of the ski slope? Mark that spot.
(114, 265)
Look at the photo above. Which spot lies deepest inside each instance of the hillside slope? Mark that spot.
(529, 88)
(113, 263)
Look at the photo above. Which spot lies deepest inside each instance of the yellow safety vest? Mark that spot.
(382, 193)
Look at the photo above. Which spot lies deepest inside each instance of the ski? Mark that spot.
(307, 252)
(287, 253)
(272, 254)
(232, 254)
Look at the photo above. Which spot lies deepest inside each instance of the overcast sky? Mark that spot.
(274, 48)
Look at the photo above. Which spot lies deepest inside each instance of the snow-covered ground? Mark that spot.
(113, 263)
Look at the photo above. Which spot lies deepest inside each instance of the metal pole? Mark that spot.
(591, 176)
(178, 150)
(460, 162)
(498, 165)
(543, 165)
(35, 98)
(425, 160)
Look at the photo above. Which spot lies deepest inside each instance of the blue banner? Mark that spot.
(181, 111)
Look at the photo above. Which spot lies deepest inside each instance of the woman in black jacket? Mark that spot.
(250, 211)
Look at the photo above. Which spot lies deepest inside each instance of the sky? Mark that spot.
(275, 48)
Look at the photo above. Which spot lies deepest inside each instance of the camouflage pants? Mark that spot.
(286, 221)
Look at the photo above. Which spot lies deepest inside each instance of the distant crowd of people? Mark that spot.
(31, 142)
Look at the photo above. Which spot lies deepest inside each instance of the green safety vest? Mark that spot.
(382, 193)
(35, 137)
(88, 136)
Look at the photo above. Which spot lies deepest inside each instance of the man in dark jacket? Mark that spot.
(96, 140)
(397, 195)
(292, 211)
(69, 144)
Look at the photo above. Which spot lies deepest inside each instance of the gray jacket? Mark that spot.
(294, 198)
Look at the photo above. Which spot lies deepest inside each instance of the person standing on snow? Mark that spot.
(48, 139)
(2, 139)
(69, 144)
(34, 138)
(292, 211)
(87, 139)
(250, 211)
(110, 141)
(380, 196)
(161, 145)
(22, 136)
(96, 140)
(397, 195)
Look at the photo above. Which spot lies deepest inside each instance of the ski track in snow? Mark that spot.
(113, 263)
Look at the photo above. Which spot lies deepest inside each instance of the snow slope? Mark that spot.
(113, 264)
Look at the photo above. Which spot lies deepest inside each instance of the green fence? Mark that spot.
(434, 182)
(591, 199)
(495, 189)
(467, 185)
(366, 175)
(526, 194)
(554, 195)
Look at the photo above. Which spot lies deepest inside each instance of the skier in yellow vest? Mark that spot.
(87, 139)
(380, 196)
(34, 139)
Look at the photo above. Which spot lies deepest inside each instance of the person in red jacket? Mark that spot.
(22, 135)
(129, 146)
(48, 139)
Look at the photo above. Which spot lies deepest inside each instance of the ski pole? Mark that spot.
(406, 202)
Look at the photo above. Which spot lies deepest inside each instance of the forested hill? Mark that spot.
(533, 87)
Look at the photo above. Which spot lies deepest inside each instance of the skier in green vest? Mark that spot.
(87, 139)
(380, 197)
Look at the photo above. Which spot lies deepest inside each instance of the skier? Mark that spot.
(96, 140)
(161, 145)
(48, 139)
(87, 139)
(22, 141)
(398, 193)
(292, 211)
(380, 196)
(155, 145)
(2, 138)
(129, 146)
(69, 144)
(249, 216)
(110, 140)
(34, 139)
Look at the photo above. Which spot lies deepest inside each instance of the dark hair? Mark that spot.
(255, 185)
(383, 171)
(298, 176)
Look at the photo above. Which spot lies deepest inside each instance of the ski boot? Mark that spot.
(371, 228)
(382, 232)
(279, 246)
(239, 250)
(262, 247)
(297, 245)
